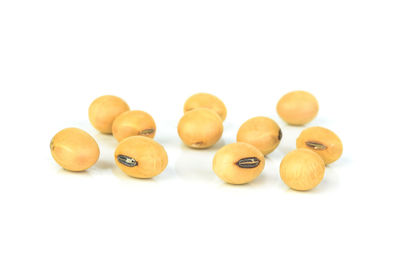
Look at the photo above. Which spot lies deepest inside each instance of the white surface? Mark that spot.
(57, 56)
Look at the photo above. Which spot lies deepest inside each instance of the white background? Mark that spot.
(57, 56)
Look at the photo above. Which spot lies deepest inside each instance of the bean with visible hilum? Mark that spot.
(322, 141)
(141, 157)
(238, 163)
(132, 123)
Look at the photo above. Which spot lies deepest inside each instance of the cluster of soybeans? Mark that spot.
(201, 126)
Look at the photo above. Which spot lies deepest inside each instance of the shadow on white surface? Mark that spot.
(104, 165)
(195, 165)
(106, 141)
(343, 161)
(260, 180)
(85, 173)
(167, 175)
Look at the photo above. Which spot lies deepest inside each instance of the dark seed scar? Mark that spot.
(316, 146)
(127, 161)
(249, 162)
(280, 135)
(146, 131)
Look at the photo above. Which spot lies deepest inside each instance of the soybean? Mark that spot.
(104, 110)
(205, 100)
(302, 169)
(200, 128)
(262, 132)
(74, 149)
(298, 108)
